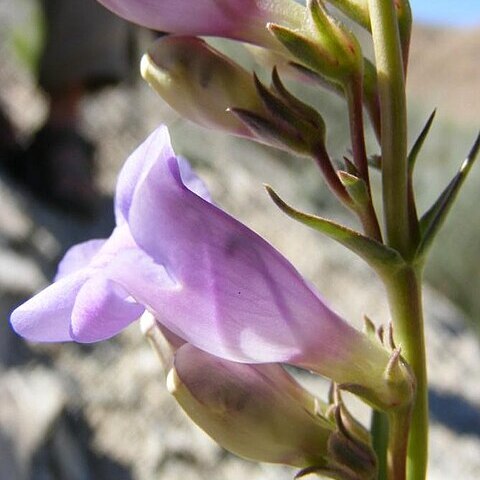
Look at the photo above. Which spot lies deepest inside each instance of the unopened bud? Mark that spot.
(258, 412)
(323, 44)
(199, 82)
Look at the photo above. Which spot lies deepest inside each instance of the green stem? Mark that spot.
(379, 430)
(405, 300)
(393, 113)
(399, 422)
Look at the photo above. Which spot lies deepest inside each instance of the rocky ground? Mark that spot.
(71, 412)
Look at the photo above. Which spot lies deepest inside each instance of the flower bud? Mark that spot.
(208, 88)
(323, 44)
(258, 412)
(199, 82)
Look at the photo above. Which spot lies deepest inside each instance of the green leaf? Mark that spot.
(433, 219)
(377, 255)
(417, 146)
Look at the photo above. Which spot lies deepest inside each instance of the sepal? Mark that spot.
(323, 45)
(288, 123)
(356, 187)
(357, 10)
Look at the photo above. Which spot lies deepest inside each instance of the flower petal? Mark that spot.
(192, 181)
(243, 20)
(156, 146)
(46, 316)
(78, 257)
(102, 309)
(239, 299)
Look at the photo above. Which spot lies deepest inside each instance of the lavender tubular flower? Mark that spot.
(207, 278)
(239, 20)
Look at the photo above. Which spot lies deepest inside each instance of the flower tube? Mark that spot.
(239, 20)
(210, 280)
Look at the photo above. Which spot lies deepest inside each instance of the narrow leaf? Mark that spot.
(433, 219)
(417, 146)
(377, 255)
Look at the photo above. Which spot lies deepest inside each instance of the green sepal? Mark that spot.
(356, 187)
(280, 113)
(306, 112)
(434, 218)
(417, 146)
(377, 255)
(357, 10)
(324, 45)
(288, 123)
(268, 132)
(305, 49)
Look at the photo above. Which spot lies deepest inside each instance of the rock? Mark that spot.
(31, 402)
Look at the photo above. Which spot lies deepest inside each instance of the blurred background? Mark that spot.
(101, 411)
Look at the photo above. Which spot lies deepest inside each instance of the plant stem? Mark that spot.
(354, 94)
(399, 422)
(322, 158)
(405, 300)
(391, 87)
(404, 286)
(379, 430)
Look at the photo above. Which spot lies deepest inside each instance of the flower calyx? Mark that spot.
(323, 44)
(288, 123)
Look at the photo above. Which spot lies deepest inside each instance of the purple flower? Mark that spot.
(206, 277)
(240, 20)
